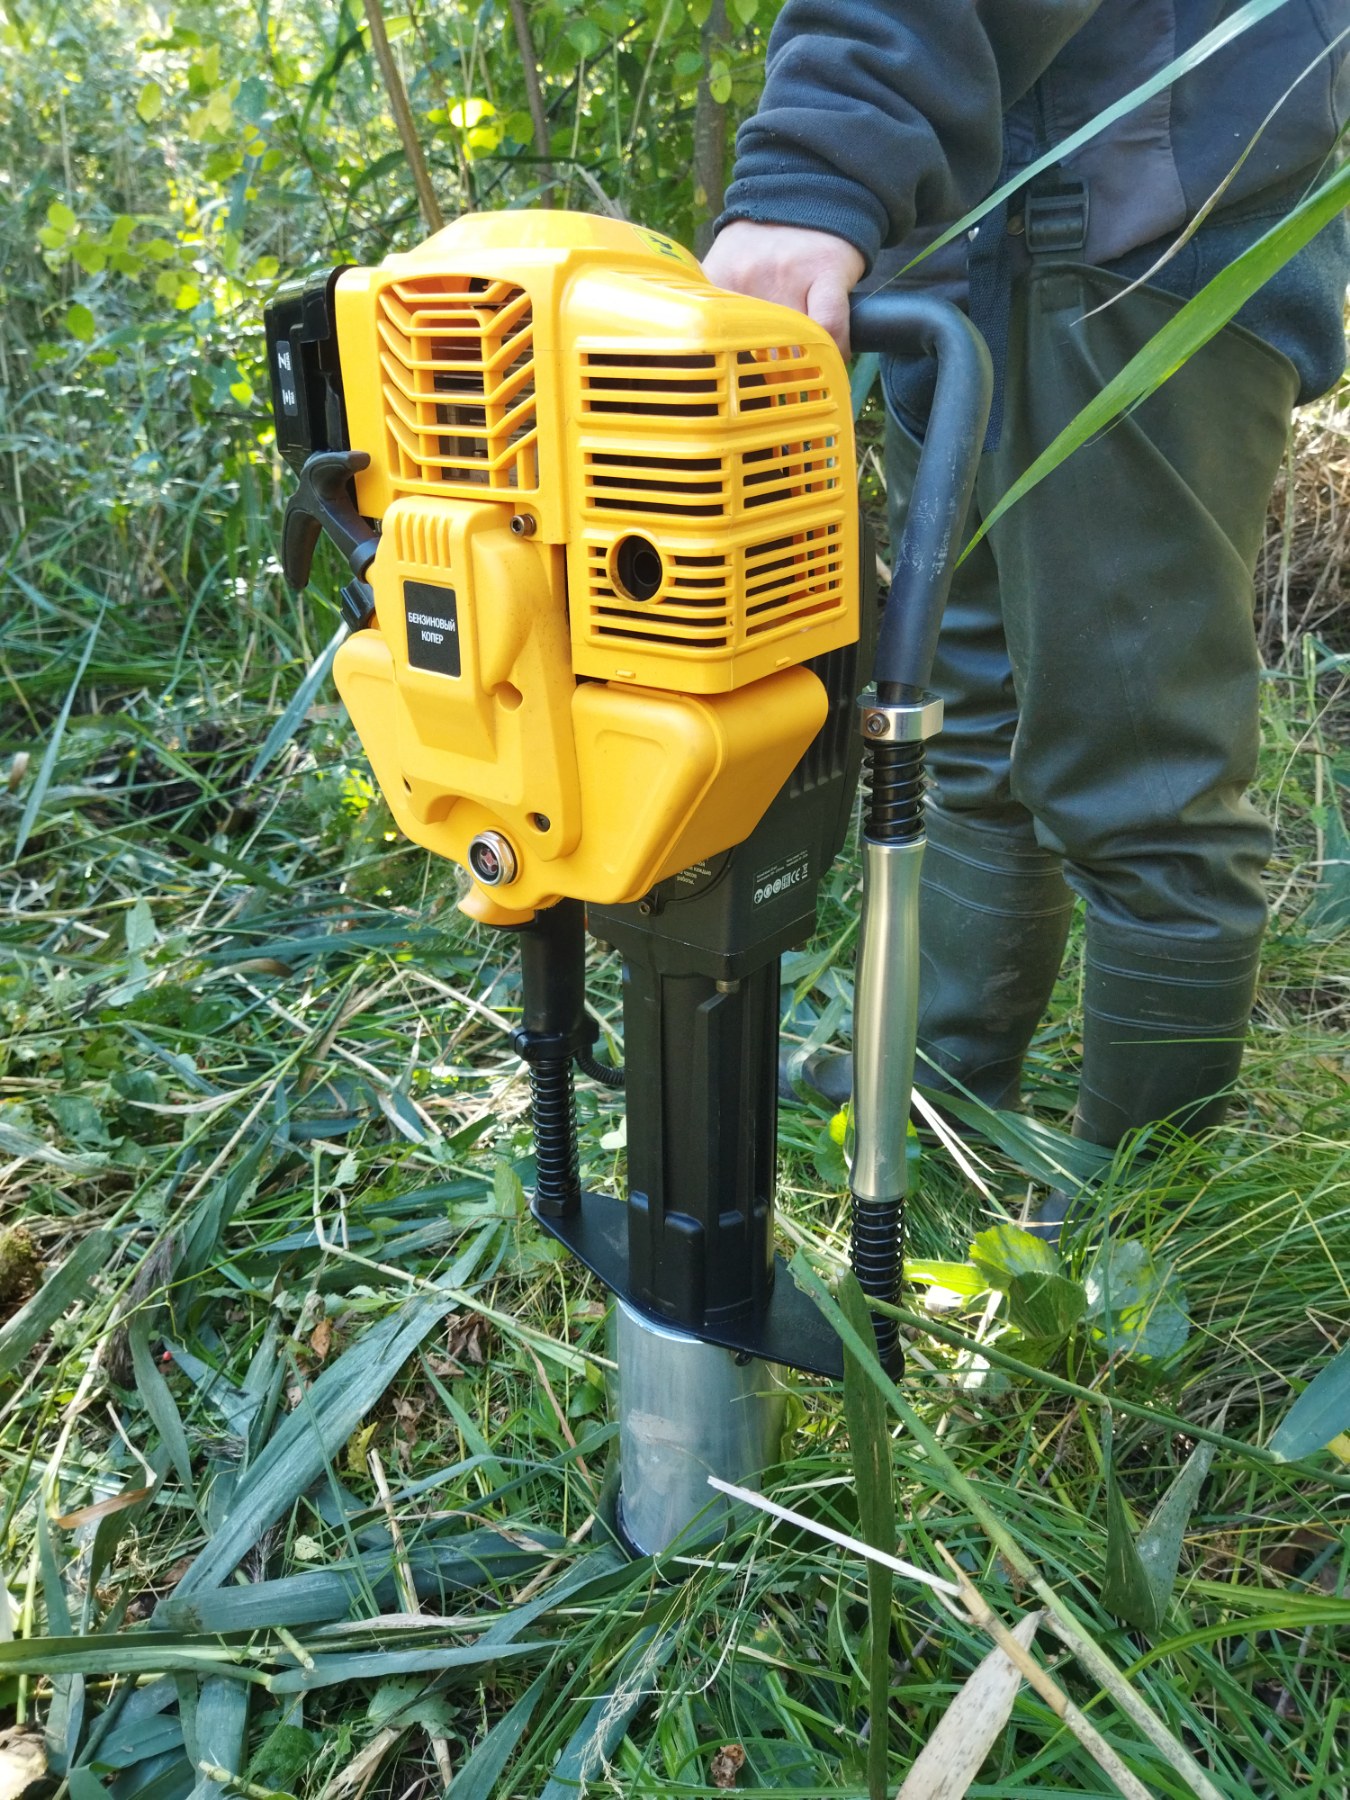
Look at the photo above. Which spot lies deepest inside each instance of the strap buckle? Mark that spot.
(1055, 218)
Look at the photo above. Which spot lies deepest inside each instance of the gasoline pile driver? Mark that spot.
(609, 624)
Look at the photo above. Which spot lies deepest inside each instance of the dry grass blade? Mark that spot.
(868, 1552)
(1019, 1655)
(971, 1725)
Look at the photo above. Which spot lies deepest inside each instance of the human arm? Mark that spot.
(877, 116)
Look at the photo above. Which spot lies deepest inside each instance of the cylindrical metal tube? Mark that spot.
(885, 1016)
(688, 1410)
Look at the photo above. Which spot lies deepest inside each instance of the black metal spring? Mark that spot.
(894, 808)
(557, 1190)
(877, 1255)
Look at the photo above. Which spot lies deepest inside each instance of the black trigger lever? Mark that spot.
(324, 502)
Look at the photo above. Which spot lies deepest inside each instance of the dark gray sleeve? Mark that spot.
(878, 115)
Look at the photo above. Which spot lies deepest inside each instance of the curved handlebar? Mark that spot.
(904, 323)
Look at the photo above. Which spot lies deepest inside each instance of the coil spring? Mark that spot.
(553, 1113)
(877, 1255)
(894, 776)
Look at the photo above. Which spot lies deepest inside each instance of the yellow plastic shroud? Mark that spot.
(678, 464)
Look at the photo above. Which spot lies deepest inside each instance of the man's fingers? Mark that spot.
(810, 271)
(827, 304)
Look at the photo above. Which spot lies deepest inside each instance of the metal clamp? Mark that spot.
(909, 723)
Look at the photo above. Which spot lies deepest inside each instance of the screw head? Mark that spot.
(524, 525)
(874, 724)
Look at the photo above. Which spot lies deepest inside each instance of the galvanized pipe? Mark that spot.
(688, 1410)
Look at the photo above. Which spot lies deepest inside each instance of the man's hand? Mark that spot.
(810, 271)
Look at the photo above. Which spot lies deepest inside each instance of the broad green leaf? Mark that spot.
(150, 102)
(1135, 1307)
(61, 217)
(404, 1700)
(1320, 1414)
(81, 323)
(66, 1285)
(310, 1438)
(958, 1278)
(283, 1757)
(1045, 1306)
(139, 927)
(870, 1443)
(1329, 909)
(585, 37)
(508, 1191)
(1005, 1251)
(1194, 325)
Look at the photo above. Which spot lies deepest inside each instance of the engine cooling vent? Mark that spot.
(712, 458)
(630, 385)
(457, 354)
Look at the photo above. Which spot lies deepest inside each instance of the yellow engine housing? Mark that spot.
(618, 515)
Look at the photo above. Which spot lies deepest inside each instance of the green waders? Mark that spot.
(1100, 672)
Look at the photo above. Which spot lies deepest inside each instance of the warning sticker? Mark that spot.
(790, 872)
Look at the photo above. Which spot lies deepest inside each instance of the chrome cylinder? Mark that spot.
(688, 1410)
(885, 1016)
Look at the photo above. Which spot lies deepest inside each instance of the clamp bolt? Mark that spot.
(524, 524)
(875, 724)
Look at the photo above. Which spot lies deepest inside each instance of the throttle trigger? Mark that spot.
(324, 502)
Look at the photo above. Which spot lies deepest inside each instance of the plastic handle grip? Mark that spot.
(913, 324)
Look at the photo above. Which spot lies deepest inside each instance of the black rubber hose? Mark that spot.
(609, 1075)
(901, 323)
(557, 1190)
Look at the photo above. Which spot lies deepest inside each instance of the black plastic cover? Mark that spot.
(302, 357)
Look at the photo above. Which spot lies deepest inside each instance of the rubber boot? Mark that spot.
(1164, 1021)
(993, 919)
(1163, 1028)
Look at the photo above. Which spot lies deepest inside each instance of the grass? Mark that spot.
(306, 1477)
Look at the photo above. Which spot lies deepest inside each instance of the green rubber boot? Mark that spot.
(1163, 1027)
(993, 918)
